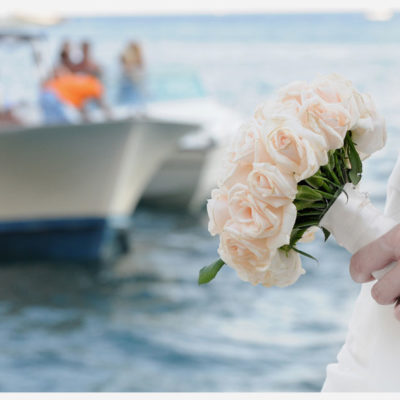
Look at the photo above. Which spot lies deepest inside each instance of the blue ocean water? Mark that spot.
(143, 324)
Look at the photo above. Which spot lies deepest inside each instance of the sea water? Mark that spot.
(143, 324)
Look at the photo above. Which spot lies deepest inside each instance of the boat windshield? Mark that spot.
(174, 85)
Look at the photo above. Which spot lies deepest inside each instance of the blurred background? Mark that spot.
(112, 124)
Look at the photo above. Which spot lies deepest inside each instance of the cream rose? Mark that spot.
(245, 149)
(234, 173)
(329, 120)
(335, 89)
(238, 159)
(263, 111)
(255, 219)
(242, 149)
(252, 220)
(267, 110)
(287, 216)
(267, 183)
(250, 258)
(294, 91)
(292, 148)
(369, 133)
(288, 102)
(217, 209)
(284, 270)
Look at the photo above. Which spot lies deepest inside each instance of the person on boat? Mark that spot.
(65, 63)
(67, 94)
(87, 65)
(132, 75)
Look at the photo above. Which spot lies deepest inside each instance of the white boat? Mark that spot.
(67, 192)
(187, 177)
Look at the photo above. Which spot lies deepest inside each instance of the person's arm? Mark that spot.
(375, 256)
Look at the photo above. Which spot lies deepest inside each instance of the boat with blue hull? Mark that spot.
(67, 192)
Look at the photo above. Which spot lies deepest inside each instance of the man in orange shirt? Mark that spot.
(74, 90)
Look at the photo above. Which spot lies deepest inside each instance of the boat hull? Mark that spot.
(186, 178)
(176, 182)
(66, 192)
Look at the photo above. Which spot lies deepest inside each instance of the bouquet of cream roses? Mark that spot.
(283, 171)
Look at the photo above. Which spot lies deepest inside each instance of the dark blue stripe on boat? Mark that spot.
(69, 239)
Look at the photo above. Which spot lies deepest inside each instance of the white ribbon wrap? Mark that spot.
(354, 222)
(368, 361)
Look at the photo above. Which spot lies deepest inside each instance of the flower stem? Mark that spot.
(332, 174)
(325, 194)
(338, 165)
(325, 186)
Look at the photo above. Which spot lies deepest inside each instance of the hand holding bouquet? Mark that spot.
(283, 171)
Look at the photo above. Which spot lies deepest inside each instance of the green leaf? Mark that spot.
(306, 193)
(314, 213)
(209, 272)
(302, 205)
(330, 182)
(296, 235)
(354, 176)
(326, 233)
(307, 223)
(355, 162)
(285, 248)
(315, 181)
(303, 253)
